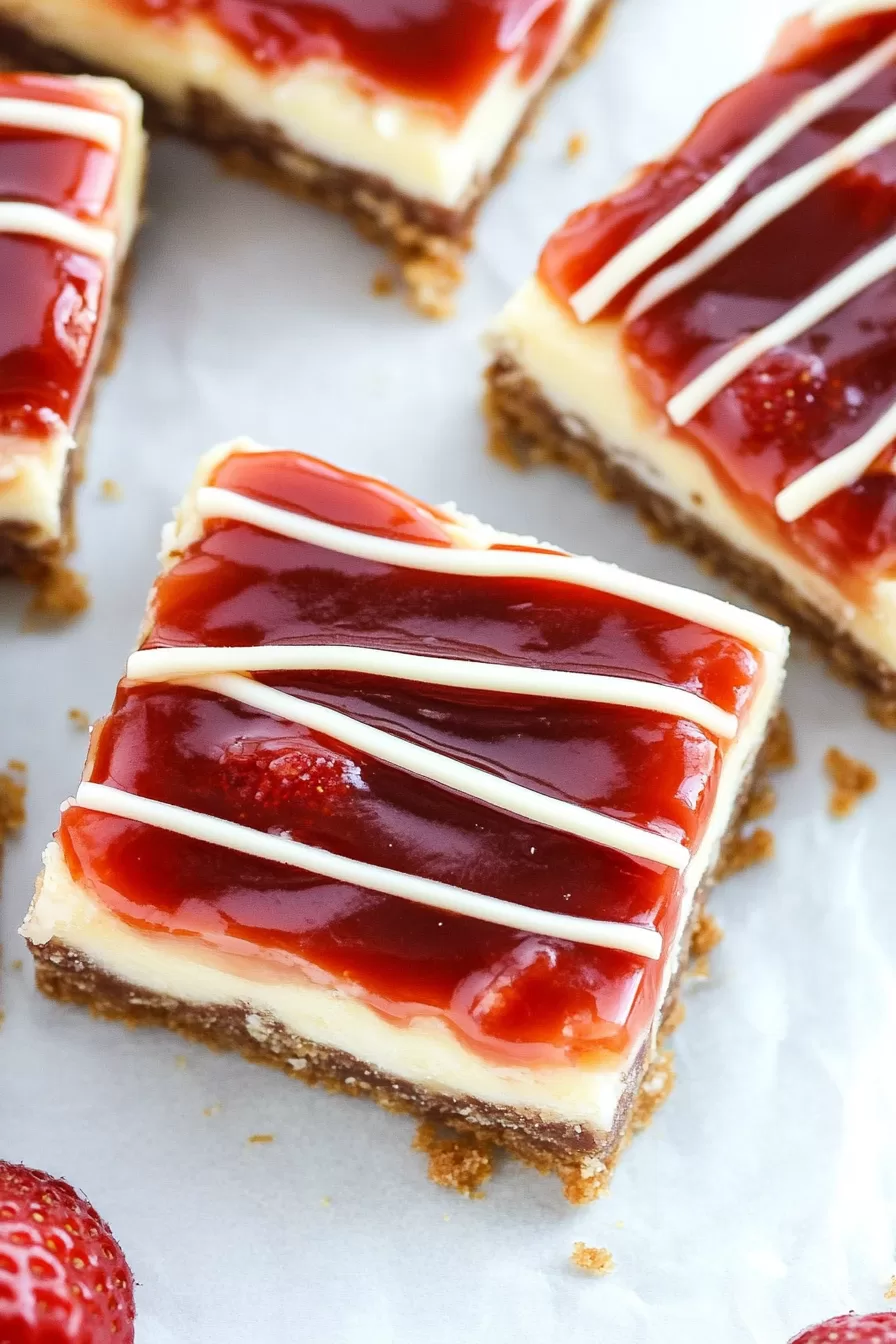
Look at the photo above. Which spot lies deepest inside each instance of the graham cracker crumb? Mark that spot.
(80, 718)
(456, 1161)
(762, 803)
(180, 1061)
(592, 1259)
(658, 1083)
(382, 284)
(882, 709)
(780, 749)
(60, 597)
(576, 146)
(673, 1019)
(16, 965)
(214, 1109)
(261, 1138)
(851, 779)
(19, 766)
(12, 801)
(890, 1290)
(706, 936)
(748, 850)
(111, 491)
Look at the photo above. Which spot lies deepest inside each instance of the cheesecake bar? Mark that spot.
(400, 117)
(71, 176)
(715, 341)
(407, 806)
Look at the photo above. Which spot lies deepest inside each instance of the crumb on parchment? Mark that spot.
(592, 1259)
(382, 285)
(890, 1290)
(576, 145)
(111, 491)
(456, 1161)
(61, 596)
(80, 719)
(780, 752)
(12, 799)
(751, 849)
(706, 936)
(261, 1138)
(851, 780)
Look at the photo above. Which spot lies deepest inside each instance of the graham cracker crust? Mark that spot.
(427, 241)
(526, 430)
(20, 552)
(583, 1159)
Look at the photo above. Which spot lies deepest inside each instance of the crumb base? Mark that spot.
(583, 1159)
(428, 241)
(526, 430)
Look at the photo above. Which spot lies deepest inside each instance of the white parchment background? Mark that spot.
(762, 1197)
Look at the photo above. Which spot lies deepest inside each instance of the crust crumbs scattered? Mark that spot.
(851, 779)
(890, 1291)
(60, 597)
(456, 1161)
(592, 1259)
(658, 1083)
(382, 284)
(673, 1019)
(780, 749)
(748, 850)
(261, 1138)
(214, 1109)
(12, 800)
(762, 803)
(111, 491)
(576, 146)
(706, 936)
(16, 965)
(80, 719)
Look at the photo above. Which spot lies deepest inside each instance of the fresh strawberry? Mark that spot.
(877, 1329)
(63, 1277)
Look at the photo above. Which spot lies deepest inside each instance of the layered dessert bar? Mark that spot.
(71, 176)
(407, 806)
(715, 341)
(401, 117)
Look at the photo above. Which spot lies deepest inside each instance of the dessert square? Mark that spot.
(400, 118)
(714, 341)
(71, 177)
(408, 806)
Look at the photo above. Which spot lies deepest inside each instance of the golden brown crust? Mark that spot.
(582, 1159)
(851, 781)
(428, 241)
(525, 430)
(592, 1259)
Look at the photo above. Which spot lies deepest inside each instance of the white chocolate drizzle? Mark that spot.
(699, 208)
(40, 221)
(838, 11)
(182, 664)
(473, 562)
(81, 123)
(634, 938)
(847, 466)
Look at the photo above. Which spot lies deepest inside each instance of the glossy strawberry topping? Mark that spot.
(799, 405)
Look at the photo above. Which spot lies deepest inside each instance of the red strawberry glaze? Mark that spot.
(442, 52)
(793, 408)
(50, 296)
(509, 994)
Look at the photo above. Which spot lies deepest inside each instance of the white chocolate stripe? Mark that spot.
(474, 783)
(698, 208)
(39, 221)
(212, 502)
(81, 123)
(176, 664)
(113, 802)
(873, 266)
(837, 472)
(764, 208)
(836, 11)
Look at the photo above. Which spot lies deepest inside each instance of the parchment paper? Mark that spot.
(762, 1196)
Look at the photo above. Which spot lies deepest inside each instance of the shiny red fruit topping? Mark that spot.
(63, 1276)
(877, 1329)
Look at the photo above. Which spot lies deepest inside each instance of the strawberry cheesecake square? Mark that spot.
(71, 178)
(715, 341)
(401, 117)
(407, 806)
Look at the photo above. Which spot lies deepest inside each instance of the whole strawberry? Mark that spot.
(63, 1277)
(877, 1329)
